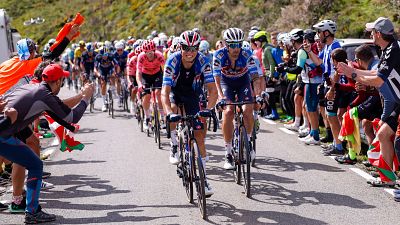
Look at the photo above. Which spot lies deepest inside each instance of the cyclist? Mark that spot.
(24, 105)
(131, 77)
(121, 56)
(104, 69)
(77, 61)
(204, 48)
(234, 69)
(185, 73)
(148, 74)
(87, 61)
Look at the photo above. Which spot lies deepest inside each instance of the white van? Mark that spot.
(8, 37)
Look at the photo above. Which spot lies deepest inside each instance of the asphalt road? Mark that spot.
(122, 178)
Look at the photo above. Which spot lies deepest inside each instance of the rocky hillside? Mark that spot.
(115, 19)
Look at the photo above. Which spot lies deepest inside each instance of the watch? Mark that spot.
(354, 75)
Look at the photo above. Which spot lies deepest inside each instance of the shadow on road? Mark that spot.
(275, 194)
(87, 130)
(81, 186)
(277, 164)
(250, 217)
(70, 161)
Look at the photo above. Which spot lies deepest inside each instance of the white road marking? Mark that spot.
(268, 121)
(286, 130)
(362, 173)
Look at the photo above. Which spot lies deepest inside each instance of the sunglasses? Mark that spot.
(234, 45)
(190, 48)
(120, 50)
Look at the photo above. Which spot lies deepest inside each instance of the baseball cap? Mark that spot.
(54, 72)
(382, 24)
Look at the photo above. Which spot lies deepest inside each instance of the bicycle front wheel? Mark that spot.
(244, 155)
(187, 180)
(199, 177)
(237, 173)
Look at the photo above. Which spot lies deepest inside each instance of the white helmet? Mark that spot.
(157, 41)
(251, 34)
(163, 37)
(204, 46)
(280, 37)
(107, 44)
(246, 44)
(296, 34)
(233, 35)
(326, 25)
(286, 40)
(119, 45)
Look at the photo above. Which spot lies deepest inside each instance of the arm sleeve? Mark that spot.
(217, 64)
(56, 106)
(207, 72)
(169, 71)
(51, 55)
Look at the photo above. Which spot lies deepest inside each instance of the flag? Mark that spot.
(376, 159)
(78, 20)
(66, 137)
(350, 130)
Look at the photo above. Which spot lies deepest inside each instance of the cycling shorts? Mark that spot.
(154, 80)
(191, 104)
(237, 90)
(321, 95)
(106, 73)
(311, 97)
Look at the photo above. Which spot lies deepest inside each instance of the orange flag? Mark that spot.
(78, 20)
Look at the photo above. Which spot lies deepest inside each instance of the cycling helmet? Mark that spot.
(154, 33)
(326, 25)
(197, 30)
(251, 34)
(81, 43)
(149, 45)
(119, 45)
(163, 38)
(107, 44)
(246, 44)
(286, 40)
(256, 28)
(280, 37)
(31, 45)
(138, 50)
(190, 38)
(89, 47)
(310, 35)
(204, 46)
(296, 34)
(233, 35)
(157, 41)
(261, 36)
(51, 41)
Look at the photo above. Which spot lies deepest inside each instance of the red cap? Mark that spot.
(54, 72)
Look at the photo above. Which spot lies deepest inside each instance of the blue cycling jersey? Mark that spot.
(175, 74)
(121, 59)
(244, 65)
(105, 63)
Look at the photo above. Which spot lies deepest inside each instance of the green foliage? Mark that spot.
(116, 19)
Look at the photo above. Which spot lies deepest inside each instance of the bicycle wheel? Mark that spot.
(198, 178)
(244, 155)
(91, 107)
(237, 173)
(187, 180)
(156, 125)
(110, 104)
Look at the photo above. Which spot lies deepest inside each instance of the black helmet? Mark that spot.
(310, 35)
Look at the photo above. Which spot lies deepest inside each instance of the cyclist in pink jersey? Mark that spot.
(149, 74)
(131, 76)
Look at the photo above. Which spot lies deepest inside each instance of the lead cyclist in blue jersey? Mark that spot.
(185, 73)
(234, 69)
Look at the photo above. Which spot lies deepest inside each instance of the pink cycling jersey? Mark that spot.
(258, 52)
(150, 67)
(132, 63)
